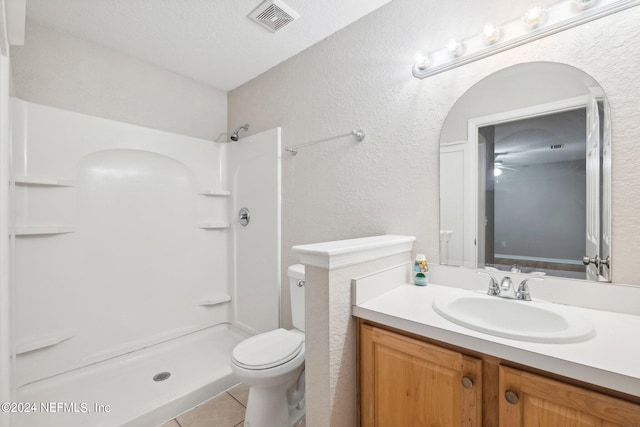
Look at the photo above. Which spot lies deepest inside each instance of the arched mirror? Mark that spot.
(525, 174)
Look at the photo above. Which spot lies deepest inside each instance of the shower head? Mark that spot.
(234, 135)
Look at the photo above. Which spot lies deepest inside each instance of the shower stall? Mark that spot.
(132, 281)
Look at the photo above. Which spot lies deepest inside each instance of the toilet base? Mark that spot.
(269, 408)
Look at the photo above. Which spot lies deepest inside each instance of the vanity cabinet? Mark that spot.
(533, 400)
(405, 380)
(409, 383)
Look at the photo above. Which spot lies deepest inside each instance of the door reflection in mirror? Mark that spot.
(525, 173)
(533, 209)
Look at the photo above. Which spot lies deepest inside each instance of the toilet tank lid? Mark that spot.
(296, 271)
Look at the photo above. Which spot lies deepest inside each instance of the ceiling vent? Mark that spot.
(273, 15)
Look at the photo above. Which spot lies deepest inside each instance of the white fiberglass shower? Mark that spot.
(129, 264)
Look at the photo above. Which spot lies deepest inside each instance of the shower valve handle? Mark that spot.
(244, 216)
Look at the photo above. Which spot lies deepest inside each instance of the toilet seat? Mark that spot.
(267, 350)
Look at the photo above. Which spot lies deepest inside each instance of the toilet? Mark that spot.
(272, 365)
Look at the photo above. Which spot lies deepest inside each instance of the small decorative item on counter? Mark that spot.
(421, 271)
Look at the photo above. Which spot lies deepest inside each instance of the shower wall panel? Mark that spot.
(121, 238)
(254, 174)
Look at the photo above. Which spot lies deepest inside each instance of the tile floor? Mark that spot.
(224, 410)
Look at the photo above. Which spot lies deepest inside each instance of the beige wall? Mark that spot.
(361, 77)
(61, 71)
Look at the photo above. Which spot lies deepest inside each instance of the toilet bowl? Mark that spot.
(272, 365)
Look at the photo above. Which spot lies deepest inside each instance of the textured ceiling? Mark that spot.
(211, 41)
(528, 141)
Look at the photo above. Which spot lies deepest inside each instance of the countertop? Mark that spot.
(610, 359)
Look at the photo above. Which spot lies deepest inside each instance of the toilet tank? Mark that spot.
(296, 293)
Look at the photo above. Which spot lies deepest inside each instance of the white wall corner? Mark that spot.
(15, 12)
(4, 44)
(7, 355)
(331, 330)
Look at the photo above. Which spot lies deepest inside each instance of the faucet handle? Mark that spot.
(494, 287)
(523, 290)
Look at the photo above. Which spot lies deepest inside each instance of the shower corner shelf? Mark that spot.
(44, 181)
(214, 300)
(214, 226)
(41, 230)
(221, 193)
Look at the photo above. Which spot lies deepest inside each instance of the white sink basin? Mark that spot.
(519, 320)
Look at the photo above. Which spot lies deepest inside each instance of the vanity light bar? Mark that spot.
(493, 39)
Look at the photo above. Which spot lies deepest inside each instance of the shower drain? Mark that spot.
(161, 376)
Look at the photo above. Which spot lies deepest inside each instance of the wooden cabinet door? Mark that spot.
(530, 400)
(408, 383)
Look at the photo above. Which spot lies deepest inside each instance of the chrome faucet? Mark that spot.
(523, 290)
(494, 288)
(506, 289)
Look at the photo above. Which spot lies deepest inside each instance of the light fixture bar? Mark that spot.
(559, 17)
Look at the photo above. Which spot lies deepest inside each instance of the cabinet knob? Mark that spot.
(511, 397)
(467, 382)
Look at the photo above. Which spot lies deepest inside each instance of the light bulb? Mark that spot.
(491, 33)
(422, 61)
(584, 4)
(534, 17)
(455, 48)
